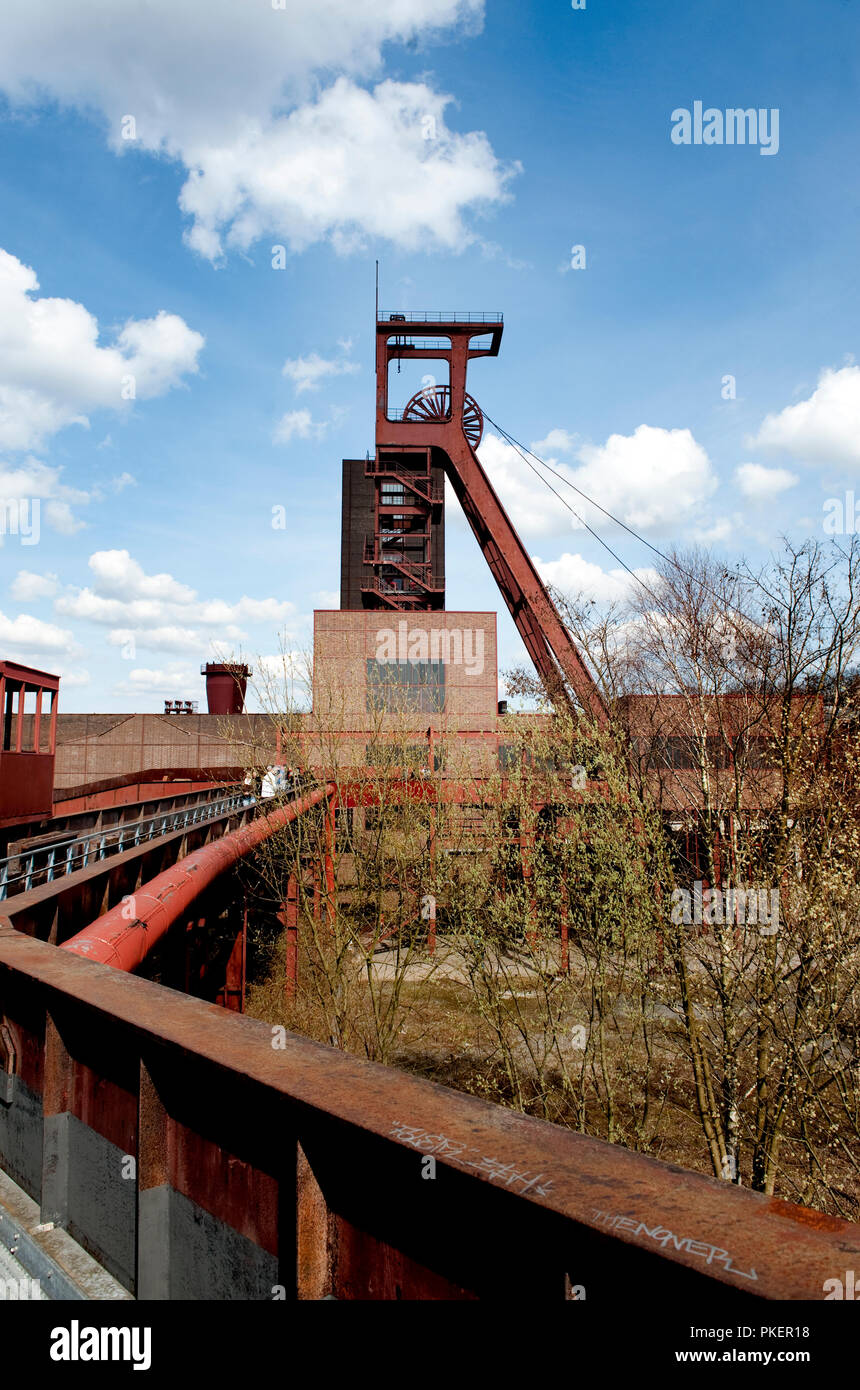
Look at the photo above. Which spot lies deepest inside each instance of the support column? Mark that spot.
(289, 916)
(37, 719)
(56, 1145)
(527, 842)
(431, 921)
(313, 1258)
(153, 1194)
(330, 890)
(565, 928)
(232, 994)
(188, 939)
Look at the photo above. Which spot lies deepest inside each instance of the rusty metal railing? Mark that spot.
(387, 316)
(45, 862)
(123, 938)
(56, 909)
(200, 1154)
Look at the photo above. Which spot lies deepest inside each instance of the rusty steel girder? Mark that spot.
(519, 1209)
(123, 936)
(448, 423)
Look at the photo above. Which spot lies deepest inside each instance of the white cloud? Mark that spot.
(718, 529)
(92, 607)
(233, 91)
(73, 676)
(251, 610)
(174, 682)
(158, 352)
(158, 612)
(53, 371)
(160, 639)
(531, 507)
(307, 372)
(119, 576)
(115, 485)
(144, 612)
(298, 424)
(574, 575)
(31, 479)
(825, 429)
(763, 484)
(27, 585)
(654, 480)
(183, 91)
(24, 636)
(281, 680)
(352, 165)
(557, 441)
(61, 518)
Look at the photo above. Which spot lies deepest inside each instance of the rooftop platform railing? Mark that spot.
(438, 316)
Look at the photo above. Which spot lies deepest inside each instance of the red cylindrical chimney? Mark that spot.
(225, 686)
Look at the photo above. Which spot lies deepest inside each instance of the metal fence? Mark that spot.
(438, 316)
(27, 869)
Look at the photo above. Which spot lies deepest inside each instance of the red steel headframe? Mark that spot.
(547, 640)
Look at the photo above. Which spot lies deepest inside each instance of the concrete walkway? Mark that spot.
(30, 1251)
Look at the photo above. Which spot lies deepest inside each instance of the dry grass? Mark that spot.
(443, 1035)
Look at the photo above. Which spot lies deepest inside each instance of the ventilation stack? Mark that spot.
(226, 683)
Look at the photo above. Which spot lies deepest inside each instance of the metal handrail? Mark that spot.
(381, 586)
(436, 316)
(398, 413)
(560, 1202)
(417, 344)
(76, 852)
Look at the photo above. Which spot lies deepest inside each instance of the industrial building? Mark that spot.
(256, 1163)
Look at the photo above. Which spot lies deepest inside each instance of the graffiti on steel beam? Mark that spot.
(662, 1236)
(491, 1168)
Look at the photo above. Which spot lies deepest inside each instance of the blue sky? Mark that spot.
(305, 126)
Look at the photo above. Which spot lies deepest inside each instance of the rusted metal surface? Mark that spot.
(55, 910)
(124, 802)
(9, 1060)
(59, 854)
(289, 918)
(313, 1233)
(130, 789)
(231, 995)
(123, 936)
(225, 686)
(587, 1209)
(26, 753)
(448, 424)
